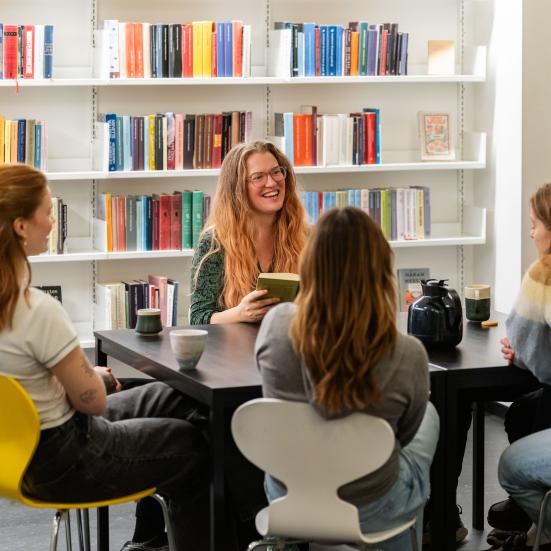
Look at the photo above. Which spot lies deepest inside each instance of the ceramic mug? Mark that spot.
(187, 346)
(477, 302)
(148, 321)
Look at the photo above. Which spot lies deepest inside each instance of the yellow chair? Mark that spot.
(19, 435)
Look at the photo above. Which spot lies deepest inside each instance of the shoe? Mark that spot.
(517, 542)
(507, 515)
(460, 530)
(496, 538)
(158, 543)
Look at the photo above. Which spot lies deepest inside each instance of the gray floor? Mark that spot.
(23, 529)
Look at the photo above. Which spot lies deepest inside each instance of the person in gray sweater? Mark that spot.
(338, 348)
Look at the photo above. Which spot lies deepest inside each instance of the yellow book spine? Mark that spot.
(151, 130)
(207, 49)
(7, 142)
(197, 49)
(420, 204)
(355, 40)
(109, 223)
(2, 124)
(13, 140)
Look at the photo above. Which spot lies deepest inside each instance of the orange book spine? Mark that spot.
(237, 38)
(109, 223)
(13, 141)
(299, 139)
(138, 47)
(306, 121)
(355, 40)
(130, 51)
(187, 50)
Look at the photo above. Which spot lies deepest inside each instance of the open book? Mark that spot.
(281, 285)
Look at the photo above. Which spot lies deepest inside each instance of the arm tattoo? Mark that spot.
(88, 396)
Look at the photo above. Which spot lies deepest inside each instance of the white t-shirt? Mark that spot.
(40, 337)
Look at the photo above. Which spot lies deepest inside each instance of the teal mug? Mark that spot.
(149, 322)
(477, 302)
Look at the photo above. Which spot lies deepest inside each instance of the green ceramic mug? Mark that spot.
(477, 302)
(149, 322)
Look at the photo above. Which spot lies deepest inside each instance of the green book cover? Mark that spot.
(197, 216)
(187, 242)
(281, 285)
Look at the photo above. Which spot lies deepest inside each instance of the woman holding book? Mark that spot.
(91, 446)
(257, 224)
(338, 348)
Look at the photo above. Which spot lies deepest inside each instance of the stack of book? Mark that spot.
(117, 304)
(58, 235)
(361, 49)
(311, 139)
(168, 141)
(23, 141)
(402, 213)
(26, 51)
(149, 222)
(201, 49)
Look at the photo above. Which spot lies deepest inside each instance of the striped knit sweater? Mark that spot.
(529, 324)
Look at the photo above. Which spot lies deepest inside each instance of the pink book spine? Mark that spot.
(179, 143)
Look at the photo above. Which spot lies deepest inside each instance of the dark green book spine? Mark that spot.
(187, 241)
(197, 216)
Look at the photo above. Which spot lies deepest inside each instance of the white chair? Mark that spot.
(541, 519)
(313, 457)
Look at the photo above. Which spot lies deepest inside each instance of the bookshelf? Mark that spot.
(72, 100)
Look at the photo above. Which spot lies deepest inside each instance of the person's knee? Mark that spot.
(512, 467)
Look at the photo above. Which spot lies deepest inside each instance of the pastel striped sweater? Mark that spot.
(529, 324)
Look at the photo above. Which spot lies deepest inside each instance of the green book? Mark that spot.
(196, 216)
(187, 242)
(281, 285)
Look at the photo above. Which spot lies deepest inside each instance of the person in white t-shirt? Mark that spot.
(92, 446)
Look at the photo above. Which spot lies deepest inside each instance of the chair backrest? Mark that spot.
(19, 434)
(313, 457)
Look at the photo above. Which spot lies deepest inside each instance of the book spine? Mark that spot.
(138, 50)
(1, 71)
(197, 216)
(176, 222)
(10, 51)
(28, 53)
(220, 50)
(187, 242)
(165, 207)
(228, 49)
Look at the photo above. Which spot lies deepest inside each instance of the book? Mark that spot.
(52, 290)
(281, 285)
(409, 285)
(436, 137)
(441, 57)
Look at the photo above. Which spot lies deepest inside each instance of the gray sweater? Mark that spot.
(402, 375)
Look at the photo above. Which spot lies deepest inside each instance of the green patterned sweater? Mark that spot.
(205, 295)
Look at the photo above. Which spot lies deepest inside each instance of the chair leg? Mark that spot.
(541, 519)
(80, 532)
(169, 529)
(413, 534)
(86, 518)
(55, 531)
(67, 516)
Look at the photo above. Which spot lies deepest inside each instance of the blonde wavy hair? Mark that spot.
(345, 321)
(232, 227)
(541, 205)
(22, 189)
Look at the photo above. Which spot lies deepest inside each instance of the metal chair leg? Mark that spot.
(169, 530)
(80, 533)
(86, 519)
(55, 531)
(541, 519)
(67, 516)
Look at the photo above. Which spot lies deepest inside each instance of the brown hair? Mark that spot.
(22, 189)
(541, 204)
(345, 320)
(233, 229)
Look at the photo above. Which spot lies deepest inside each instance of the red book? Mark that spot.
(161, 283)
(217, 127)
(176, 222)
(318, 59)
(28, 51)
(187, 50)
(155, 213)
(237, 38)
(10, 51)
(371, 137)
(165, 207)
(302, 139)
(214, 54)
(138, 48)
(384, 42)
(365, 138)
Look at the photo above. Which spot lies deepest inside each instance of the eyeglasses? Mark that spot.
(277, 174)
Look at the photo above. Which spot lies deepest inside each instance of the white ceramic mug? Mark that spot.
(187, 346)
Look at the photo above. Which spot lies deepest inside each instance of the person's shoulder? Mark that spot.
(281, 312)
(412, 349)
(540, 270)
(44, 305)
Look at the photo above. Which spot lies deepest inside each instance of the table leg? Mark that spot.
(478, 466)
(217, 498)
(449, 429)
(101, 357)
(103, 529)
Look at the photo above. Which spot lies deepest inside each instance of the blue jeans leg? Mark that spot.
(525, 472)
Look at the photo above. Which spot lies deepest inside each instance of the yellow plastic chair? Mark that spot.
(19, 435)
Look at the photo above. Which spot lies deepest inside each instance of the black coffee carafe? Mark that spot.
(436, 317)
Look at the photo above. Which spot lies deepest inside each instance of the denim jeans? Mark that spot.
(407, 497)
(143, 440)
(525, 472)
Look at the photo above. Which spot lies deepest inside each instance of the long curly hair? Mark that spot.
(346, 309)
(541, 205)
(22, 189)
(232, 227)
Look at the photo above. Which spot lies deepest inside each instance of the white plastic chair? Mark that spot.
(313, 457)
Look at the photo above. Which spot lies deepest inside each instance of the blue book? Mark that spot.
(403, 66)
(372, 49)
(310, 49)
(358, 198)
(326, 201)
(111, 120)
(21, 127)
(220, 55)
(37, 144)
(288, 128)
(351, 198)
(118, 144)
(323, 50)
(1, 50)
(362, 68)
(48, 51)
(338, 43)
(126, 142)
(332, 50)
(228, 49)
(300, 53)
(333, 197)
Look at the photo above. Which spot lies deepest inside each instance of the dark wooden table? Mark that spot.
(226, 376)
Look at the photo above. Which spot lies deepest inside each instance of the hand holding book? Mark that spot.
(284, 286)
(254, 306)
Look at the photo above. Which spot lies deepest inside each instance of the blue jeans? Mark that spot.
(407, 497)
(525, 472)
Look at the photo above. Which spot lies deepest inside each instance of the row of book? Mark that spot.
(361, 49)
(116, 304)
(58, 235)
(168, 141)
(26, 51)
(24, 141)
(402, 213)
(310, 139)
(150, 222)
(201, 49)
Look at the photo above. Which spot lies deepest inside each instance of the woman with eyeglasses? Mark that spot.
(257, 224)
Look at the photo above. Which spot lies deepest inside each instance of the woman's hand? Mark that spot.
(253, 307)
(112, 384)
(507, 351)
